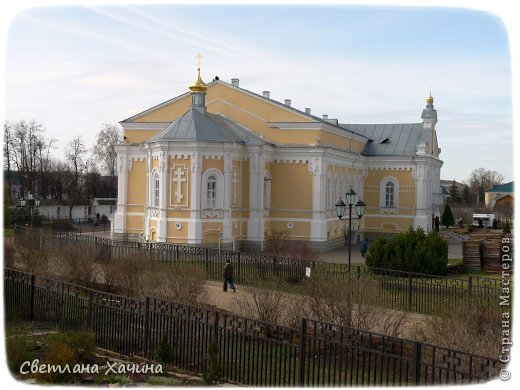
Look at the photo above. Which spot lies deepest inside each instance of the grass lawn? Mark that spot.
(8, 232)
(454, 261)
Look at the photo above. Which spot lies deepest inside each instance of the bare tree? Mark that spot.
(482, 180)
(77, 167)
(104, 150)
(27, 151)
(7, 154)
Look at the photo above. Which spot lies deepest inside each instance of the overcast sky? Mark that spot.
(73, 68)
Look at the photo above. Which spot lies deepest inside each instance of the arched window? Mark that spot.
(211, 194)
(156, 189)
(389, 194)
(212, 190)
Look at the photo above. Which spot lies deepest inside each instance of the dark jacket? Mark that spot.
(228, 271)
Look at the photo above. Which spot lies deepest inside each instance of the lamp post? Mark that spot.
(350, 196)
(30, 202)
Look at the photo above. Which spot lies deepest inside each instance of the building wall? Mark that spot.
(377, 217)
(302, 184)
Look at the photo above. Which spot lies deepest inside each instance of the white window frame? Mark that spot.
(383, 195)
(156, 188)
(218, 203)
(267, 190)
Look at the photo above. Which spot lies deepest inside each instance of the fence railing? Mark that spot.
(249, 351)
(388, 288)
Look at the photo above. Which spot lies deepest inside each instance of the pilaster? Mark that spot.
(255, 223)
(318, 170)
(162, 225)
(122, 187)
(195, 225)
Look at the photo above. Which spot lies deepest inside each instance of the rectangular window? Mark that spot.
(389, 196)
(156, 190)
(212, 194)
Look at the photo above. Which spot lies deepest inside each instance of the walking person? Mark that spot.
(364, 247)
(228, 276)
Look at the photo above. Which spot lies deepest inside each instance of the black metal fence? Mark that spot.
(249, 352)
(381, 287)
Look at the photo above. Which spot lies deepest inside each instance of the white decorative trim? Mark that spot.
(212, 213)
(219, 190)
(178, 176)
(382, 195)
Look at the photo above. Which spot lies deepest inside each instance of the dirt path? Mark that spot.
(230, 301)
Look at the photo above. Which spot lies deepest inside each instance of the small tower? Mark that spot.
(198, 91)
(429, 114)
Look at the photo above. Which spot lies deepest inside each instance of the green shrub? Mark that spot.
(82, 343)
(413, 251)
(19, 348)
(165, 353)
(447, 217)
(67, 348)
(60, 355)
(212, 372)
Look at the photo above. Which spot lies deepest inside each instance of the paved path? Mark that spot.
(340, 255)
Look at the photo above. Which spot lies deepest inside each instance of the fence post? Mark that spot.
(410, 291)
(239, 274)
(215, 326)
(416, 364)
(31, 307)
(89, 310)
(146, 327)
(206, 260)
(470, 286)
(303, 335)
(274, 266)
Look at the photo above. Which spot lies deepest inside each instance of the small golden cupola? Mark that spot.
(198, 85)
(198, 90)
(429, 99)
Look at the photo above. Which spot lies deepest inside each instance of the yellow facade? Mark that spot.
(227, 192)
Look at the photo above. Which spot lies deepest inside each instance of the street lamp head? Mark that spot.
(350, 196)
(22, 202)
(340, 208)
(37, 202)
(30, 196)
(360, 208)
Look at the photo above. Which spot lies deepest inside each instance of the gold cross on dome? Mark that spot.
(199, 57)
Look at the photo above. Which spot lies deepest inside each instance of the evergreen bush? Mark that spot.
(413, 251)
(165, 353)
(447, 217)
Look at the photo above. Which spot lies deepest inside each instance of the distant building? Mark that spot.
(83, 209)
(497, 192)
(500, 200)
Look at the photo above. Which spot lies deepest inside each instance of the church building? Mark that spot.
(223, 166)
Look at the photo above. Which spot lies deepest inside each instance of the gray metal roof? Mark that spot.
(399, 139)
(204, 126)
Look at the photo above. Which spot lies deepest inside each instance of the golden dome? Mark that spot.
(198, 85)
(429, 99)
